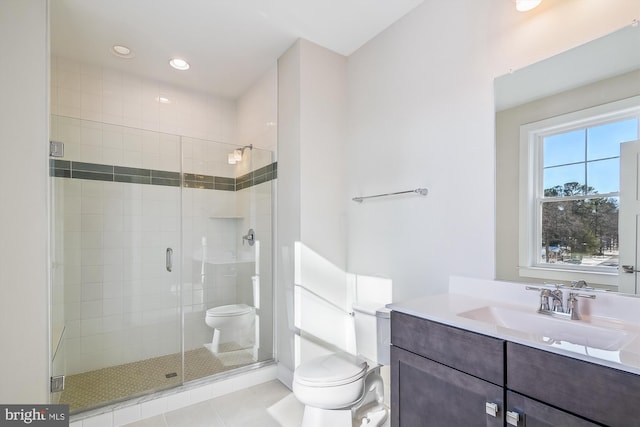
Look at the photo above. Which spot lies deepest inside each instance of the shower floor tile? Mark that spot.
(92, 389)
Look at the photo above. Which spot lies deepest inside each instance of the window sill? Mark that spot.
(593, 278)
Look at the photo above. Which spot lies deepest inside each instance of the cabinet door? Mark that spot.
(599, 393)
(428, 394)
(536, 414)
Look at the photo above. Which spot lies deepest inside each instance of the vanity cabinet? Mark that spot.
(446, 376)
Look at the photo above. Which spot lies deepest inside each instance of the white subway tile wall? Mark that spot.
(110, 96)
(120, 303)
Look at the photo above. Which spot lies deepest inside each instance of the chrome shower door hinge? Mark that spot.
(57, 383)
(56, 149)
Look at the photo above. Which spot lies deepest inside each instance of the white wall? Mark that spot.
(24, 366)
(421, 114)
(310, 202)
(287, 204)
(257, 113)
(323, 121)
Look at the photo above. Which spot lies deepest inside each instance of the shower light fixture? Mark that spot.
(236, 155)
(526, 5)
(179, 64)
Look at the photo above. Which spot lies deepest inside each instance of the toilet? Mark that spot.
(340, 387)
(233, 322)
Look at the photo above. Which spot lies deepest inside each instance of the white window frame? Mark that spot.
(531, 137)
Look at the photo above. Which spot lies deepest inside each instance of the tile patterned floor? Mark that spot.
(266, 405)
(95, 388)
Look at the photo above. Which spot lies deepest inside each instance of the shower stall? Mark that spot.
(145, 238)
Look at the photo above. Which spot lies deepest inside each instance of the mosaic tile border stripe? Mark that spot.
(258, 176)
(110, 173)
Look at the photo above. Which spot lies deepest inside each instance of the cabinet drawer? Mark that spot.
(475, 354)
(599, 393)
(536, 414)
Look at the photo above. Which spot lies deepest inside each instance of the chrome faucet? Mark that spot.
(557, 300)
(555, 296)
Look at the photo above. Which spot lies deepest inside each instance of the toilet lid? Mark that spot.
(331, 370)
(229, 310)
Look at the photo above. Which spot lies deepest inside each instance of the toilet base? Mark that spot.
(214, 347)
(316, 417)
(373, 418)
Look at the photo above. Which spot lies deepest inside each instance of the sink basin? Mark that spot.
(549, 330)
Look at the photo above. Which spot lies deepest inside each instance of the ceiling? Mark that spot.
(229, 43)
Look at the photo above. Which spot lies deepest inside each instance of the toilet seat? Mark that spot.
(229, 310)
(330, 371)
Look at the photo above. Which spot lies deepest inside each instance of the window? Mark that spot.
(570, 188)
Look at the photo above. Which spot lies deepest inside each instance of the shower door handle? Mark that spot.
(169, 259)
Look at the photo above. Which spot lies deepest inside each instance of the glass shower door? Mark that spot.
(227, 238)
(116, 301)
(149, 231)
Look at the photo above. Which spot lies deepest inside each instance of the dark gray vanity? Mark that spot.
(442, 375)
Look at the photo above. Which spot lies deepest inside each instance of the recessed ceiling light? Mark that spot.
(163, 100)
(179, 64)
(526, 5)
(122, 51)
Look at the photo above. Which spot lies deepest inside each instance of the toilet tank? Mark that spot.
(373, 332)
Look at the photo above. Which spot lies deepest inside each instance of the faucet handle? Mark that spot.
(557, 301)
(590, 296)
(572, 304)
(544, 297)
(555, 285)
(250, 237)
(572, 307)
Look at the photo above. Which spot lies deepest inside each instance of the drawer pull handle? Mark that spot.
(491, 409)
(513, 418)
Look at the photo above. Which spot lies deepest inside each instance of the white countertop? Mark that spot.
(608, 334)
